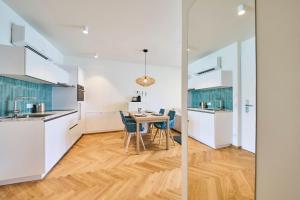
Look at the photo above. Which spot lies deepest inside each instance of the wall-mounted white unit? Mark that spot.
(212, 79)
(20, 38)
(25, 64)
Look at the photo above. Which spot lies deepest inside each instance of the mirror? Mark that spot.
(221, 99)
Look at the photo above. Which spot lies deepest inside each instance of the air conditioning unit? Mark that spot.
(207, 69)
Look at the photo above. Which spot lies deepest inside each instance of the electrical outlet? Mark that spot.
(29, 105)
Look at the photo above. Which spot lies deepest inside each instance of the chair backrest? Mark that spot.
(172, 114)
(162, 111)
(122, 117)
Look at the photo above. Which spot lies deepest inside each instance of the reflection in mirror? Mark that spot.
(222, 99)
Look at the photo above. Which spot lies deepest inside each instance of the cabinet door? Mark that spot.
(192, 123)
(103, 122)
(58, 139)
(35, 65)
(21, 149)
(206, 130)
(62, 76)
(80, 76)
(51, 70)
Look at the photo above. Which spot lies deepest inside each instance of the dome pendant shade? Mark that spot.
(145, 81)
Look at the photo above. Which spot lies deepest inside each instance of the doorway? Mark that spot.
(221, 99)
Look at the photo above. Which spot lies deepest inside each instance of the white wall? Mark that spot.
(9, 16)
(278, 100)
(110, 85)
(230, 61)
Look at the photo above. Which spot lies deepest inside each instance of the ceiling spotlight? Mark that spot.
(96, 56)
(85, 30)
(241, 9)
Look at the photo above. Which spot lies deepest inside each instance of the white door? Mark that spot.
(248, 87)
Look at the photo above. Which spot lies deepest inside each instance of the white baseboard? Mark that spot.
(20, 180)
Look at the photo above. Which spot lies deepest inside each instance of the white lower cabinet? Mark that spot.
(60, 135)
(212, 129)
(29, 149)
(21, 151)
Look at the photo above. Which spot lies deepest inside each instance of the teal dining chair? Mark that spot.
(162, 127)
(130, 130)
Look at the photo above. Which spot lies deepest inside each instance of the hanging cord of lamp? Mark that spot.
(145, 80)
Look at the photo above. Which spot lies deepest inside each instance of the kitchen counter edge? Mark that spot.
(55, 115)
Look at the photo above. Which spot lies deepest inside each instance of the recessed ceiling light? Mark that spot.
(96, 56)
(85, 30)
(241, 9)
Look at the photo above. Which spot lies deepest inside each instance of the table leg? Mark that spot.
(167, 135)
(138, 137)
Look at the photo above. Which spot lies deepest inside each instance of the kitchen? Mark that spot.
(62, 91)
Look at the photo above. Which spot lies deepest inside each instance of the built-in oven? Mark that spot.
(80, 93)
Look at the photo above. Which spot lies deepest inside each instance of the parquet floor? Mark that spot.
(224, 174)
(98, 168)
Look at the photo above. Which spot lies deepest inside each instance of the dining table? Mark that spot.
(148, 117)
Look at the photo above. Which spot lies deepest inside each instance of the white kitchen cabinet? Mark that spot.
(134, 106)
(213, 79)
(24, 64)
(24, 36)
(35, 65)
(212, 129)
(103, 122)
(55, 74)
(80, 76)
(60, 135)
(21, 150)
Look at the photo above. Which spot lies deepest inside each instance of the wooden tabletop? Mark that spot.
(148, 117)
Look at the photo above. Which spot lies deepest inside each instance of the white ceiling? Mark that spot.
(214, 24)
(118, 29)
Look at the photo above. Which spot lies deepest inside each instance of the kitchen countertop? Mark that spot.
(208, 110)
(52, 115)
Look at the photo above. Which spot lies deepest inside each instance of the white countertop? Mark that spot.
(52, 115)
(208, 111)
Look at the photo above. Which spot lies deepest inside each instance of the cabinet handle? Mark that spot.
(73, 126)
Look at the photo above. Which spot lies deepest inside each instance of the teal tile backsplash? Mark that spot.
(11, 88)
(210, 95)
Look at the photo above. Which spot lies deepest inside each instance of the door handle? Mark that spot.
(247, 107)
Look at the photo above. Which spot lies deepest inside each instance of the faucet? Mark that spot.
(17, 99)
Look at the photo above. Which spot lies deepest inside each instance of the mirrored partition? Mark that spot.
(221, 99)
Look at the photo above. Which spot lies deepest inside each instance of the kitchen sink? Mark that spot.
(38, 115)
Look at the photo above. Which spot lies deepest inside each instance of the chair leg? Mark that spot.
(142, 141)
(155, 135)
(127, 142)
(160, 136)
(125, 137)
(172, 137)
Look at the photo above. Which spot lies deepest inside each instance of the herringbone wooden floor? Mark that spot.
(224, 174)
(98, 168)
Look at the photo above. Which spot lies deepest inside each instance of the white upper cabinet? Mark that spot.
(212, 79)
(35, 65)
(25, 64)
(24, 36)
(80, 76)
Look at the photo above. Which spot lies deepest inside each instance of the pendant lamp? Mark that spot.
(145, 80)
